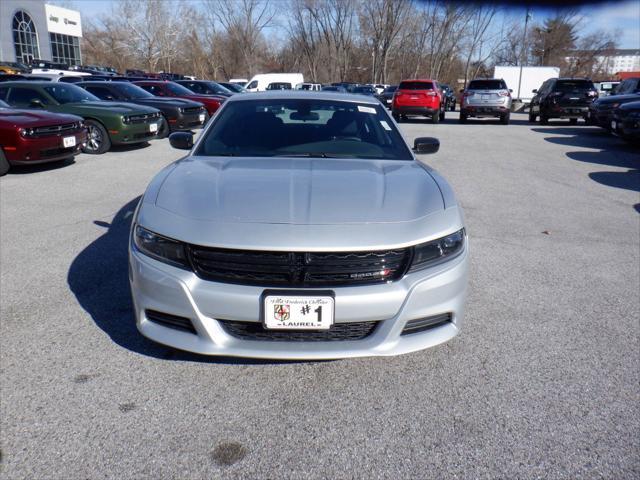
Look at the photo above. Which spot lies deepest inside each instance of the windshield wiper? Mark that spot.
(314, 155)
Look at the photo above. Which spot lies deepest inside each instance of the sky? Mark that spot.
(621, 16)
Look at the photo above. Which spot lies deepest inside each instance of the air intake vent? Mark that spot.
(337, 332)
(424, 324)
(171, 321)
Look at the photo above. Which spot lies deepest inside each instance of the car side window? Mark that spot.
(100, 92)
(151, 89)
(194, 87)
(22, 97)
(253, 84)
(3, 93)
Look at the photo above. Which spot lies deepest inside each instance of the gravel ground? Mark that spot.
(543, 382)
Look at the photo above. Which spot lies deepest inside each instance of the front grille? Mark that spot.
(54, 130)
(143, 118)
(171, 321)
(54, 152)
(423, 324)
(192, 110)
(337, 332)
(297, 269)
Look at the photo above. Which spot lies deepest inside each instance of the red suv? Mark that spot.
(35, 136)
(418, 97)
(161, 88)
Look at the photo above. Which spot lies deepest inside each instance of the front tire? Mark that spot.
(442, 115)
(435, 117)
(544, 120)
(463, 118)
(98, 141)
(397, 118)
(5, 166)
(453, 106)
(532, 117)
(573, 121)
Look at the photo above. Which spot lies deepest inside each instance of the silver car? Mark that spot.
(300, 226)
(486, 97)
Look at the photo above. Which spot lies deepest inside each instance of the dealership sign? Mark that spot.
(64, 21)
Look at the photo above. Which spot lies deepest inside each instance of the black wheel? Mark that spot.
(98, 141)
(573, 121)
(164, 130)
(435, 117)
(532, 117)
(396, 117)
(4, 164)
(453, 106)
(463, 118)
(544, 120)
(504, 119)
(442, 115)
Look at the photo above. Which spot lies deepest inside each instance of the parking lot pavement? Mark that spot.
(543, 382)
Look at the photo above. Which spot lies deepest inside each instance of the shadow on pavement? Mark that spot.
(629, 180)
(41, 167)
(98, 277)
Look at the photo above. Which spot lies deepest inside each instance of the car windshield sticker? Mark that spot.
(366, 109)
(385, 125)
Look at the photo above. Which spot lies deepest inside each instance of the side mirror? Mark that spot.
(510, 91)
(426, 145)
(181, 140)
(35, 103)
(109, 98)
(535, 90)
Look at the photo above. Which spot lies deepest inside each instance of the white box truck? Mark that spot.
(532, 78)
(277, 81)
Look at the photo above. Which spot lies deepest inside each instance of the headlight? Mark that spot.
(161, 248)
(125, 119)
(26, 132)
(430, 253)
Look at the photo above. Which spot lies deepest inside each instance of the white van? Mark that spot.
(259, 83)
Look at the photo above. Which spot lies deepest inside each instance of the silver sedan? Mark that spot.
(299, 226)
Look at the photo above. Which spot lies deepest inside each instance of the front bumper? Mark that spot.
(163, 288)
(187, 121)
(134, 132)
(35, 150)
(626, 127)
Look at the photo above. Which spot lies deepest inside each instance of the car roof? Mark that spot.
(22, 83)
(304, 95)
(417, 80)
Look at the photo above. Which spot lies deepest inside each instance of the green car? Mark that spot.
(108, 123)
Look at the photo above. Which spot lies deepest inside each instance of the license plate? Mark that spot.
(414, 97)
(614, 125)
(202, 117)
(298, 312)
(485, 97)
(68, 142)
(153, 127)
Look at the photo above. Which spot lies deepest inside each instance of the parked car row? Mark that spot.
(44, 121)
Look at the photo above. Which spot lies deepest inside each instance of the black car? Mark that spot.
(449, 97)
(205, 87)
(333, 88)
(628, 86)
(601, 111)
(563, 98)
(233, 87)
(179, 114)
(386, 97)
(625, 121)
(364, 90)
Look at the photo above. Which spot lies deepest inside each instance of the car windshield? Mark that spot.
(391, 89)
(486, 85)
(67, 93)
(415, 86)
(178, 89)
(3, 105)
(132, 91)
(214, 87)
(573, 85)
(304, 128)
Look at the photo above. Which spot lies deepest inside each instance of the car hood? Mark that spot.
(299, 191)
(34, 118)
(116, 108)
(206, 98)
(609, 99)
(167, 102)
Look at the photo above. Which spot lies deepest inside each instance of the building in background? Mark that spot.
(624, 60)
(32, 30)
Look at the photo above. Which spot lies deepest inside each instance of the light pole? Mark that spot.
(524, 48)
